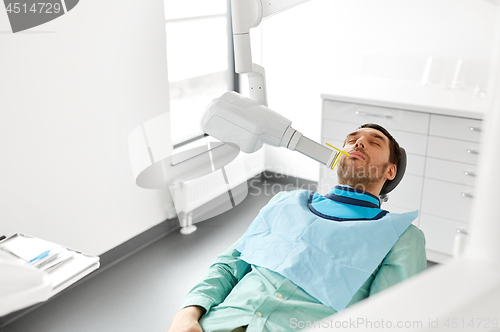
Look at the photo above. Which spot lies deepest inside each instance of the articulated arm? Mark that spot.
(247, 14)
(248, 122)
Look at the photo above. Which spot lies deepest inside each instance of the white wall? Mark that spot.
(71, 91)
(311, 48)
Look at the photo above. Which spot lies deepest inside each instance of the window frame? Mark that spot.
(233, 76)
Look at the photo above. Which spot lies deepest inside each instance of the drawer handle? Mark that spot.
(472, 151)
(475, 129)
(470, 173)
(468, 195)
(459, 242)
(387, 116)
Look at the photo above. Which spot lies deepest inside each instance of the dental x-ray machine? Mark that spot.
(468, 288)
(248, 122)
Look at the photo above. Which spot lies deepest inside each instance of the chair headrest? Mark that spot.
(391, 184)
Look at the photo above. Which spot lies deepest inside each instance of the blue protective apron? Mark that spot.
(327, 245)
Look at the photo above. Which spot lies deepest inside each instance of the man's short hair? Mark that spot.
(395, 153)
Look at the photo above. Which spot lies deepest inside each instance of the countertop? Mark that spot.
(410, 95)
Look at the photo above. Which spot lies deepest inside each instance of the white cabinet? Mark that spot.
(442, 155)
(451, 169)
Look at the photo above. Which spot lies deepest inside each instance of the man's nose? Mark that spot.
(360, 143)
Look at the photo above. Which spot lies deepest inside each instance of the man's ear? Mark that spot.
(391, 171)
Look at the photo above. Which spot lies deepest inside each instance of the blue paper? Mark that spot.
(329, 259)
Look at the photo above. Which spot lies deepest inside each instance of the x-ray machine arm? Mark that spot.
(248, 14)
(248, 122)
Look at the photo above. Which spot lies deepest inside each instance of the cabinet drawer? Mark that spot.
(407, 194)
(411, 142)
(415, 165)
(457, 128)
(453, 150)
(450, 171)
(440, 232)
(387, 117)
(447, 200)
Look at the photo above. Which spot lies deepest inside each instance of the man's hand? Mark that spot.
(186, 320)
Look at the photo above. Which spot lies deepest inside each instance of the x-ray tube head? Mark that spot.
(233, 118)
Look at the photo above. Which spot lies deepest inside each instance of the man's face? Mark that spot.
(368, 164)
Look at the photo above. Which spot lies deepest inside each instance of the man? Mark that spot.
(308, 256)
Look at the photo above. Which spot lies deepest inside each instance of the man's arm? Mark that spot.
(218, 281)
(406, 258)
(186, 320)
(213, 288)
(220, 278)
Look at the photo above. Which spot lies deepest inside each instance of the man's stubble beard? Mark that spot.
(360, 177)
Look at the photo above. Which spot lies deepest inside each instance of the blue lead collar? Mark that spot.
(346, 203)
(349, 195)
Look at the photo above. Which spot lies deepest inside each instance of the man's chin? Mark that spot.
(356, 161)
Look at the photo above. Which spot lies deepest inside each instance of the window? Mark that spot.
(199, 57)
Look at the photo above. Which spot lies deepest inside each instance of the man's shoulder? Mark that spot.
(278, 195)
(284, 194)
(413, 231)
(412, 234)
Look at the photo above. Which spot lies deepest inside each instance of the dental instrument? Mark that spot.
(42, 255)
(337, 156)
